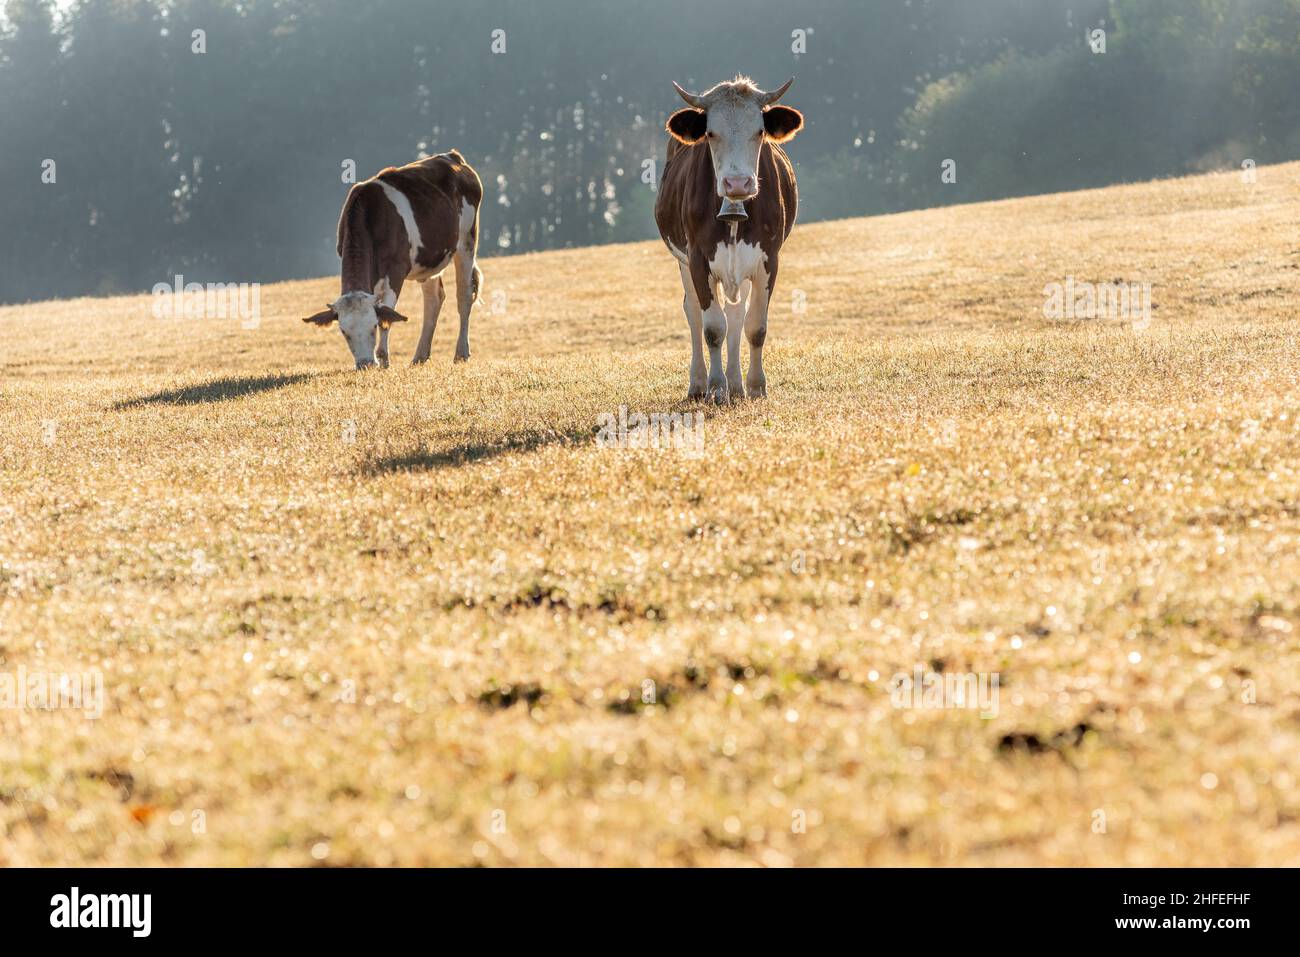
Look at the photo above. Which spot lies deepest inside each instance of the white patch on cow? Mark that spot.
(403, 207)
(425, 273)
(733, 263)
(680, 256)
(467, 214)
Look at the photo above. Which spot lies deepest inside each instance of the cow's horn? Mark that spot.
(770, 98)
(694, 99)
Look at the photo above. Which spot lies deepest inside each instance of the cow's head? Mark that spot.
(734, 118)
(359, 319)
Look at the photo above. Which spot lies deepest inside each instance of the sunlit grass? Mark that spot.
(413, 616)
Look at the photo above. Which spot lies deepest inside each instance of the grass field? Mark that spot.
(418, 616)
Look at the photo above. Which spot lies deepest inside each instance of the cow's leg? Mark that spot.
(386, 293)
(691, 306)
(469, 278)
(713, 321)
(756, 333)
(735, 320)
(715, 331)
(434, 294)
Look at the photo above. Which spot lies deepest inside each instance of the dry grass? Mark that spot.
(1108, 519)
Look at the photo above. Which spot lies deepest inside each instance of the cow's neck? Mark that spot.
(356, 273)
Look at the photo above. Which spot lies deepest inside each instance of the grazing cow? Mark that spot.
(408, 222)
(725, 231)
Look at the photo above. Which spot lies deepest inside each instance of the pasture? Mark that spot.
(418, 616)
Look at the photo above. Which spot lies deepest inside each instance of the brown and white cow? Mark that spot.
(727, 201)
(407, 222)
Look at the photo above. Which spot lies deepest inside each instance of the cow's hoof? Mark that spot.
(718, 394)
(419, 360)
(460, 358)
(737, 391)
(757, 390)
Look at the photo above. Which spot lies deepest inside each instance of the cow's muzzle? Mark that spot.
(732, 211)
(366, 363)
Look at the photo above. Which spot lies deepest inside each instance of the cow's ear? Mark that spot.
(388, 316)
(323, 318)
(781, 123)
(688, 126)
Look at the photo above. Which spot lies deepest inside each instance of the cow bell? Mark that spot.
(732, 211)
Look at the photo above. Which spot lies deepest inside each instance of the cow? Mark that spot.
(406, 222)
(727, 201)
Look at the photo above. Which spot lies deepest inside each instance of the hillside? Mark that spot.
(419, 617)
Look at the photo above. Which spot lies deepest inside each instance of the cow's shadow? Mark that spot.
(467, 453)
(216, 390)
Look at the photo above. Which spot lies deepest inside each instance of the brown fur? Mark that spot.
(686, 209)
(372, 240)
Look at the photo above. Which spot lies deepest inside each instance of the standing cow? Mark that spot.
(409, 222)
(725, 232)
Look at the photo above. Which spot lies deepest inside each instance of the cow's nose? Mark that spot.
(365, 363)
(738, 187)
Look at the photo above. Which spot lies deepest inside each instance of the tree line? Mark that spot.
(214, 138)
